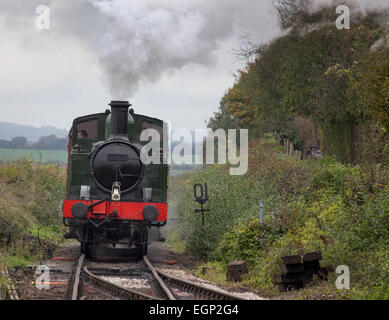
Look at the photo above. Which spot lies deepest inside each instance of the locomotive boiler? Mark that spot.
(113, 197)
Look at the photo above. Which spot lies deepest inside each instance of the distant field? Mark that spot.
(41, 156)
(59, 156)
(177, 171)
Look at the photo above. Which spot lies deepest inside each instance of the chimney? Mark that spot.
(119, 120)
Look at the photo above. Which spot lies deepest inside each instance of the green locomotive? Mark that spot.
(113, 197)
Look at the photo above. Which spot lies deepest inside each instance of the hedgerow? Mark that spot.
(339, 209)
(30, 207)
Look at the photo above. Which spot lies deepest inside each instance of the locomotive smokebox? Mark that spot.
(119, 120)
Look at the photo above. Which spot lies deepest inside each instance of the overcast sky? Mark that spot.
(172, 59)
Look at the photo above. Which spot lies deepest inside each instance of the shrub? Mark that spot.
(30, 197)
(341, 210)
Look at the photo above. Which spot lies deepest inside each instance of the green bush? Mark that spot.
(31, 195)
(341, 210)
(231, 199)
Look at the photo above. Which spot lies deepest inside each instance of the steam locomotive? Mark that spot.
(112, 196)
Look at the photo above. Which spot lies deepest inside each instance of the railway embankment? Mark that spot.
(311, 205)
(30, 208)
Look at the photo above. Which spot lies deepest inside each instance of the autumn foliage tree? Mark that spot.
(374, 85)
(331, 77)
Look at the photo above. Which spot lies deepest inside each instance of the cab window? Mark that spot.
(87, 130)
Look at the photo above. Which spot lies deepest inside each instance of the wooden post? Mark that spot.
(235, 269)
(291, 150)
(297, 271)
(298, 155)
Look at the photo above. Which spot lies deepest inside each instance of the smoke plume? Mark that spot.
(146, 39)
(138, 41)
(143, 42)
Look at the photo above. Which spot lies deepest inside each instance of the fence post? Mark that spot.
(39, 239)
(261, 213)
(291, 150)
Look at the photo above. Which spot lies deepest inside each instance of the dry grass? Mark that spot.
(30, 200)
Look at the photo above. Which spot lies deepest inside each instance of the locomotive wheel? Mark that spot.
(84, 247)
(142, 250)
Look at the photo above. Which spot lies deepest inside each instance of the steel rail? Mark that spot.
(77, 275)
(161, 283)
(9, 291)
(195, 288)
(114, 289)
(163, 279)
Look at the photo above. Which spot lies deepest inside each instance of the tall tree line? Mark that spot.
(318, 84)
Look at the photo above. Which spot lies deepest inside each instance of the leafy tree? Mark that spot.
(290, 11)
(15, 143)
(18, 142)
(51, 142)
(311, 72)
(222, 119)
(373, 83)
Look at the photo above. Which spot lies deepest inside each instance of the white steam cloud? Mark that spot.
(142, 43)
(147, 38)
(138, 41)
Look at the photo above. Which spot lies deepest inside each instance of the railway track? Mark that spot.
(166, 287)
(198, 291)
